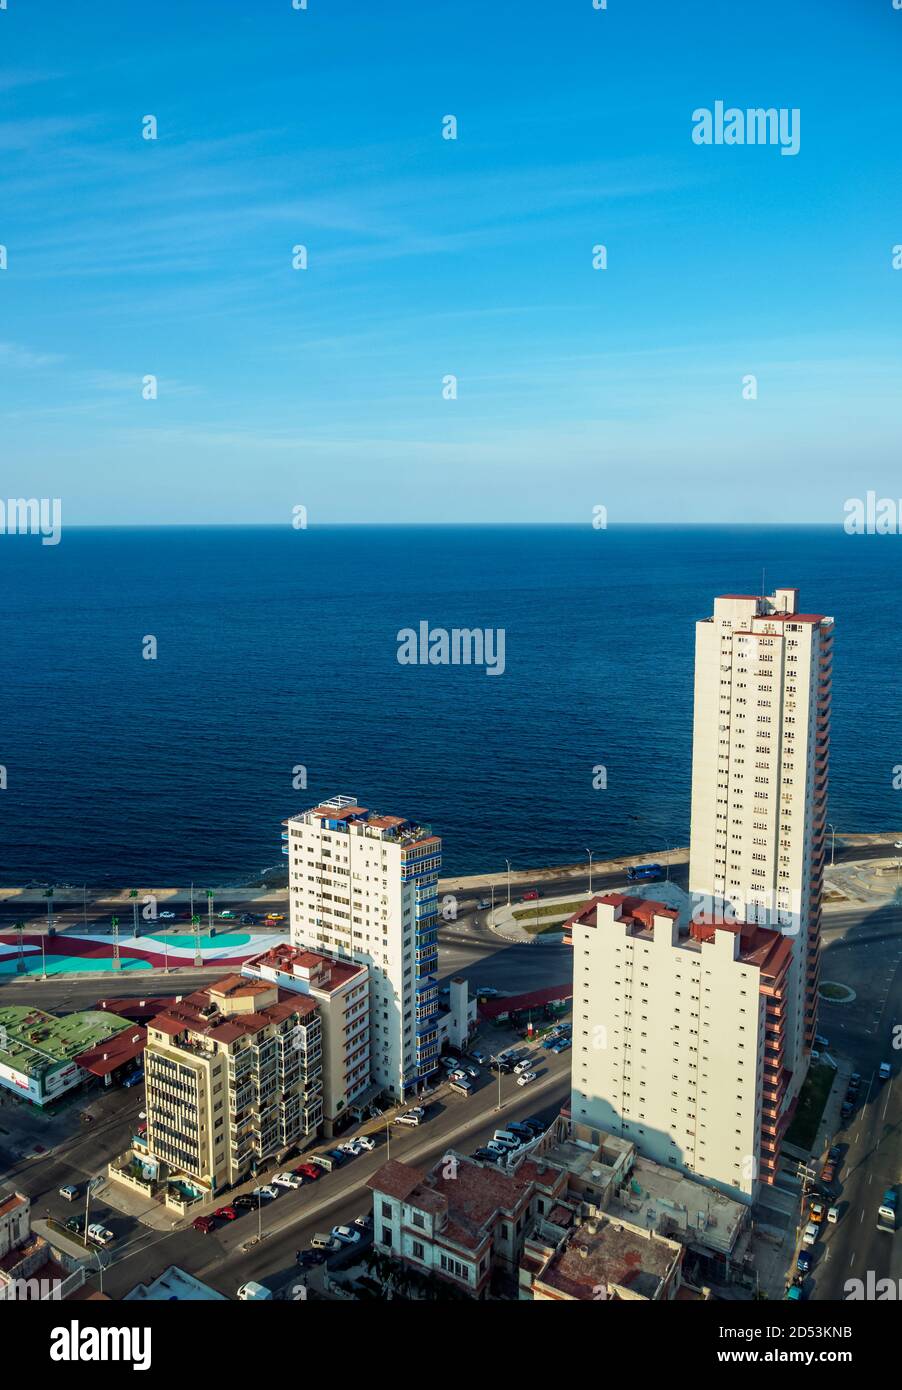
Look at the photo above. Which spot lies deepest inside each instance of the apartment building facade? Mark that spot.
(341, 991)
(363, 887)
(233, 1076)
(678, 1038)
(763, 673)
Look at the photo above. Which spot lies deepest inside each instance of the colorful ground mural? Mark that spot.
(86, 952)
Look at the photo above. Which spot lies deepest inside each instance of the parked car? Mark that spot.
(536, 1125)
(804, 1261)
(69, 1192)
(522, 1066)
(833, 1214)
(408, 1119)
(462, 1085)
(854, 1081)
(324, 1242)
(810, 1234)
(458, 1074)
(275, 917)
(821, 1040)
(484, 1155)
(364, 1222)
(289, 1180)
(245, 1202)
(450, 1063)
(548, 1043)
(363, 1141)
(337, 1157)
(310, 1171)
(525, 1078)
(99, 1234)
(226, 1213)
(562, 1045)
(252, 1292)
(794, 1293)
(346, 1234)
(479, 1057)
(828, 1173)
(835, 1154)
(483, 904)
(884, 1071)
(227, 916)
(267, 1192)
(816, 1212)
(76, 1224)
(204, 1224)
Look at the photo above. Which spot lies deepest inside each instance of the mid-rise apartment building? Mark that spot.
(678, 1038)
(759, 782)
(364, 887)
(341, 991)
(233, 1076)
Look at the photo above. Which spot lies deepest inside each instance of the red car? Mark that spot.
(530, 896)
(310, 1171)
(226, 1214)
(204, 1224)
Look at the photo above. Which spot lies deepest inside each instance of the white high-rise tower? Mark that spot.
(364, 887)
(759, 783)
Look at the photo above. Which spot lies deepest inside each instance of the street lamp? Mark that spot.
(832, 828)
(589, 852)
(508, 863)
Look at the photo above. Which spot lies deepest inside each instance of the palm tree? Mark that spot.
(133, 894)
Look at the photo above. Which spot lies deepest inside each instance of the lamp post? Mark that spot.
(589, 852)
(508, 863)
(210, 910)
(832, 828)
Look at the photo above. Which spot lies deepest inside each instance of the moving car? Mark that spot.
(345, 1234)
(227, 916)
(483, 904)
(70, 1192)
(290, 1180)
(274, 917)
(204, 1224)
(521, 1067)
(526, 1077)
(247, 919)
(529, 896)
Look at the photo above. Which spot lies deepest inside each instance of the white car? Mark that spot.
(458, 1075)
(364, 1222)
(349, 1147)
(287, 1180)
(811, 1233)
(267, 1190)
(522, 1066)
(525, 1078)
(99, 1234)
(346, 1234)
(364, 1141)
(472, 1071)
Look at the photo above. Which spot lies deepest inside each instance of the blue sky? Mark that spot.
(427, 257)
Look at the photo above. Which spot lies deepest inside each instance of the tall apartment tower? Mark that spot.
(678, 1038)
(759, 783)
(364, 887)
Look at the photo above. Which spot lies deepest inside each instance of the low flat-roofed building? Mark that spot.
(608, 1260)
(174, 1284)
(39, 1052)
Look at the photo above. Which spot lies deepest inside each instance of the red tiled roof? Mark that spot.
(494, 1008)
(113, 1052)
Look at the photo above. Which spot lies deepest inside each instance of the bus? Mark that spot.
(636, 872)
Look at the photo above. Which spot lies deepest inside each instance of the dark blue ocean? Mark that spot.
(277, 648)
